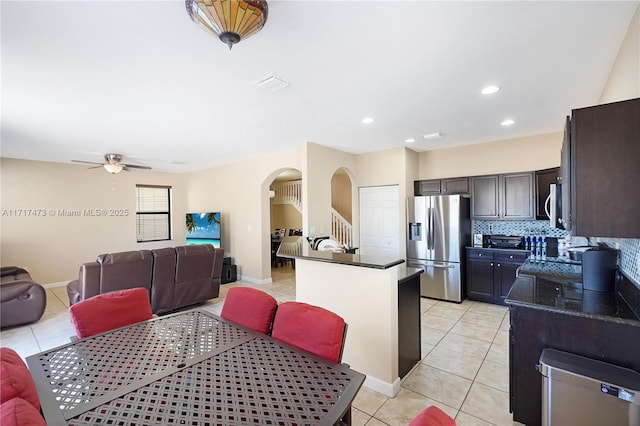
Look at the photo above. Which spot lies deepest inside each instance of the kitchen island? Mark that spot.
(549, 309)
(378, 297)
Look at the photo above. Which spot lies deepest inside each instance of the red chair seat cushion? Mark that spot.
(108, 311)
(432, 416)
(311, 328)
(15, 379)
(249, 307)
(18, 412)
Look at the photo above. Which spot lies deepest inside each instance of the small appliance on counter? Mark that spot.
(504, 241)
(599, 269)
(478, 240)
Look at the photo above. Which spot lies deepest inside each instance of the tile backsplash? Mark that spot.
(516, 227)
(629, 248)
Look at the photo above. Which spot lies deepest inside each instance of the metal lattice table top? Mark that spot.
(189, 368)
(89, 369)
(258, 382)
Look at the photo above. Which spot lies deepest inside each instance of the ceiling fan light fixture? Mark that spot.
(113, 168)
(229, 20)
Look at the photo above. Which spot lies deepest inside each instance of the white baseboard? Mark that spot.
(389, 389)
(54, 285)
(254, 280)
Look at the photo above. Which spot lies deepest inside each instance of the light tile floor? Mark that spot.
(464, 368)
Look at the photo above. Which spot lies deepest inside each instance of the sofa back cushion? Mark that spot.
(129, 269)
(15, 379)
(109, 311)
(163, 280)
(194, 270)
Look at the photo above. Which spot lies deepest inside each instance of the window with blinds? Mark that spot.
(153, 213)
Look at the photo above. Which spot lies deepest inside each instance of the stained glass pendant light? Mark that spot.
(230, 20)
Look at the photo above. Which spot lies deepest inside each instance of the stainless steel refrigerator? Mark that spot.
(439, 229)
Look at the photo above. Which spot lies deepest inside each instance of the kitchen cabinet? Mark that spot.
(499, 197)
(544, 178)
(547, 314)
(604, 173)
(492, 272)
(458, 185)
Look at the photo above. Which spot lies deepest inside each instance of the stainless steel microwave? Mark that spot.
(553, 206)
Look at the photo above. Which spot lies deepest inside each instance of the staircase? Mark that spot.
(291, 193)
(341, 229)
(288, 193)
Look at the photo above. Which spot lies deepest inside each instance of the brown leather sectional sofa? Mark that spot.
(175, 276)
(22, 300)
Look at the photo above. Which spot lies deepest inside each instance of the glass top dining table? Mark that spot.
(189, 368)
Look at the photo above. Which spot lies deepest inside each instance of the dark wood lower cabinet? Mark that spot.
(532, 330)
(492, 272)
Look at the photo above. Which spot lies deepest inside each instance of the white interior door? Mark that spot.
(379, 221)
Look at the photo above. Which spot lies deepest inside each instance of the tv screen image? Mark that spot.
(203, 228)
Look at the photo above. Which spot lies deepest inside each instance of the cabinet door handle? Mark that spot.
(479, 254)
(510, 256)
(499, 265)
(491, 263)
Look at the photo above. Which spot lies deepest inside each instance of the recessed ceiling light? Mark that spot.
(367, 120)
(490, 90)
(433, 135)
(507, 122)
(410, 140)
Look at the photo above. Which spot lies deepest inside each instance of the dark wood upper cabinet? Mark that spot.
(508, 196)
(447, 186)
(605, 170)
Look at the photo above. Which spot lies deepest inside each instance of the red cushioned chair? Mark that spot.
(249, 307)
(108, 311)
(16, 380)
(18, 412)
(311, 328)
(432, 416)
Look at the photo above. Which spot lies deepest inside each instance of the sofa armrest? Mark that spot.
(14, 289)
(89, 280)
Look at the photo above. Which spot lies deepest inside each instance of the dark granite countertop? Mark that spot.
(406, 272)
(299, 248)
(556, 287)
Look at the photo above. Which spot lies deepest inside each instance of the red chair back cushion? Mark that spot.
(109, 311)
(249, 307)
(432, 416)
(311, 328)
(15, 379)
(18, 412)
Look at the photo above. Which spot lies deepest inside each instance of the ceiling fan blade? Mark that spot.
(133, 166)
(96, 167)
(86, 162)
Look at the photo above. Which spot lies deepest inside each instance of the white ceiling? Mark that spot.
(83, 78)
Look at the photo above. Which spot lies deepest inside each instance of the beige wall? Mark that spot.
(341, 191)
(52, 247)
(285, 216)
(240, 191)
(512, 155)
(320, 165)
(624, 78)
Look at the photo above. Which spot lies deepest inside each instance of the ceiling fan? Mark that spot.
(113, 164)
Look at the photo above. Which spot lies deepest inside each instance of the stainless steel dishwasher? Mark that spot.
(582, 391)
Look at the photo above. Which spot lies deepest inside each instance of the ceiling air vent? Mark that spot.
(270, 83)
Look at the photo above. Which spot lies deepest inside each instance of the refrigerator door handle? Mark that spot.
(442, 266)
(430, 236)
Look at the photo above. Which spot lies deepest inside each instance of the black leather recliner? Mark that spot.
(22, 301)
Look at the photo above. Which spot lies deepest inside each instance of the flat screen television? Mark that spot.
(203, 228)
